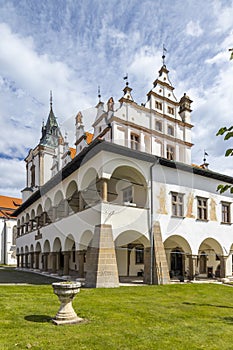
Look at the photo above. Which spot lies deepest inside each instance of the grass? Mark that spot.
(184, 316)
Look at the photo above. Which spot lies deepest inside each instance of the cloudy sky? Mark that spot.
(72, 46)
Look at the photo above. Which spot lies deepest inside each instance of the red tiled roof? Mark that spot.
(8, 205)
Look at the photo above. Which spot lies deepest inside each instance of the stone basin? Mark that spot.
(66, 292)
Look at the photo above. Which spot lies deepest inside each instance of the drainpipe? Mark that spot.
(4, 242)
(151, 223)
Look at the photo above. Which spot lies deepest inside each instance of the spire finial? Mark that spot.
(126, 78)
(51, 99)
(164, 56)
(205, 154)
(99, 94)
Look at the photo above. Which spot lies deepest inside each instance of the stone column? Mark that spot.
(101, 259)
(222, 266)
(18, 260)
(66, 263)
(54, 262)
(104, 190)
(80, 254)
(147, 265)
(54, 213)
(37, 254)
(26, 260)
(31, 260)
(22, 260)
(46, 261)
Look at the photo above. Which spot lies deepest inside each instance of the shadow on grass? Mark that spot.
(197, 304)
(38, 318)
(228, 320)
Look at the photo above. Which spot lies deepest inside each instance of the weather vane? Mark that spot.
(204, 158)
(126, 78)
(164, 56)
(99, 94)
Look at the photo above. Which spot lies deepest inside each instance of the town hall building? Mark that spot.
(127, 202)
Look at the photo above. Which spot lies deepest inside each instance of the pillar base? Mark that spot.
(102, 269)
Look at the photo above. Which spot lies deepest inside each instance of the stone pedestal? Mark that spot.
(101, 261)
(66, 292)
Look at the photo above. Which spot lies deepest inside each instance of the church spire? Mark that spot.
(51, 134)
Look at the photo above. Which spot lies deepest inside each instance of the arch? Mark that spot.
(210, 255)
(31, 248)
(69, 242)
(72, 196)
(33, 214)
(85, 240)
(58, 197)
(38, 247)
(57, 245)
(178, 252)
(39, 210)
(46, 247)
(90, 189)
(127, 186)
(26, 249)
(88, 177)
(131, 247)
(48, 211)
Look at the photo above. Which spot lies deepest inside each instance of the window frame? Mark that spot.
(171, 110)
(226, 214)
(170, 130)
(158, 105)
(202, 208)
(177, 204)
(134, 141)
(139, 255)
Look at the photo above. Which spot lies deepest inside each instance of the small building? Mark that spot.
(130, 202)
(8, 229)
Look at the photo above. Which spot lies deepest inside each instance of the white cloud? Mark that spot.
(194, 29)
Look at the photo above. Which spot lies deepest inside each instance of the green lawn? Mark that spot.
(184, 316)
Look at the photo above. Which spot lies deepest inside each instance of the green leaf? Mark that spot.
(228, 135)
(229, 152)
(221, 131)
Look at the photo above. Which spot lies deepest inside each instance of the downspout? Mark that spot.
(151, 224)
(4, 243)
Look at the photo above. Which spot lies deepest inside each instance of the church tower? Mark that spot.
(45, 159)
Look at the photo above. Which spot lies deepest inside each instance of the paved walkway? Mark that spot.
(9, 275)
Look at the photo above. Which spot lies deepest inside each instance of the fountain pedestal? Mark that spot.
(66, 292)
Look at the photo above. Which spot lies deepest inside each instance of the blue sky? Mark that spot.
(71, 47)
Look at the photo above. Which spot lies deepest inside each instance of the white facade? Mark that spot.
(136, 182)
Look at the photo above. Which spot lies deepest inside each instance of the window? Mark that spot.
(171, 110)
(128, 194)
(139, 255)
(226, 217)
(170, 130)
(158, 105)
(177, 204)
(158, 126)
(134, 141)
(170, 153)
(202, 208)
(33, 175)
